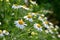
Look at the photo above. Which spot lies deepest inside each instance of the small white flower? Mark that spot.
(24, 7)
(1, 33)
(38, 26)
(51, 26)
(33, 2)
(40, 18)
(53, 37)
(29, 18)
(0, 23)
(46, 31)
(20, 24)
(45, 23)
(56, 27)
(58, 35)
(15, 6)
(5, 32)
(50, 30)
(50, 23)
(12, 14)
(33, 14)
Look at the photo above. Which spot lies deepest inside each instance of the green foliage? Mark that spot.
(7, 22)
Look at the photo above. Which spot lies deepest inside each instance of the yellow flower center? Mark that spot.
(0, 31)
(29, 16)
(38, 25)
(46, 22)
(21, 22)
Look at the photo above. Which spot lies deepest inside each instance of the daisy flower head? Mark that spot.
(29, 18)
(40, 18)
(51, 25)
(38, 26)
(45, 23)
(20, 24)
(1, 33)
(5, 32)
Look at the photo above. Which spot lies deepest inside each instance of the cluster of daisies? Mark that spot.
(3, 33)
(45, 25)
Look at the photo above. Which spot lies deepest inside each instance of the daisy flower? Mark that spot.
(41, 17)
(58, 35)
(45, 23)
(0, 23)
(20, 24)
(50, 30)
(51, 25)
(29, 18)
(38, 26)
(24, 7)
(15, 6)
(46, 11)
(1, 33)
(46, 31)
(33, 14)
(5, 32)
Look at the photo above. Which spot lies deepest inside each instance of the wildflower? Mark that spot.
(29, 18)
(58, 35)
(45, 23)
(51, 25)
(33, 14)
(56, 27)
(46, 31)
(20, 24)
(33, 2)
(38, 26)
(0, 23)
(24, 7)
(5, 32)
(50, 30)
(40, 18)
(46, 11)
(1, 33)
(53, 37)
(15, 6)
